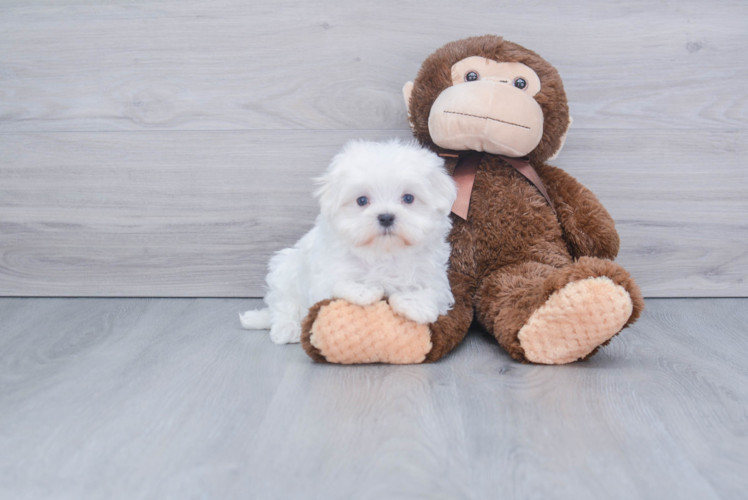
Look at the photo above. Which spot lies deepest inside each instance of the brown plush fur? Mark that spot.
(306, 332)
(513, 252)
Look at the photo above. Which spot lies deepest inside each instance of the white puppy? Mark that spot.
(381, 233)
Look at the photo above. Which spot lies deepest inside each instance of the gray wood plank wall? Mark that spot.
(165, 148)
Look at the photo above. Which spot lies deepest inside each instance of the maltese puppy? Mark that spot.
(381, 233)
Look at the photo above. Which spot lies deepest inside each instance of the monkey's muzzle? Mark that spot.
(486, 116)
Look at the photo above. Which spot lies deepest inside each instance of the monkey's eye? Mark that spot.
(408, 198)
(520, 83)
(471, 76)
(362, 201)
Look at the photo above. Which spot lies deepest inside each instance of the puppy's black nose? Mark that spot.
(386, 220)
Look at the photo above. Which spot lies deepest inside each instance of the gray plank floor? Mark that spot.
(169, 398)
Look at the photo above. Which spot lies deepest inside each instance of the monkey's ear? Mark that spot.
(563, 140)
(407, 90)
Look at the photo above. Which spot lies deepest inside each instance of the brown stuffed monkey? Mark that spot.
(532, 248)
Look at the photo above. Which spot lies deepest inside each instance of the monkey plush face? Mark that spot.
(487, 94)
(489, 107)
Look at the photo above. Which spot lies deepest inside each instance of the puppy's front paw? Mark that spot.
(285, 332)
(415, 307)
(356, 293)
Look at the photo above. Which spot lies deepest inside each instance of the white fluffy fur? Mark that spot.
(349, 255)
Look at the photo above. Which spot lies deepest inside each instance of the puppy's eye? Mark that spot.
(520, 83)
(408, 198)
(471, 76)
(362, 201)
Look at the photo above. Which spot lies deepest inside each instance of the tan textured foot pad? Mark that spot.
(346, 333)
(575, 320)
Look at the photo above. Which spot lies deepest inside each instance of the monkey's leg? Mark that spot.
(549, 315)
(336, 331)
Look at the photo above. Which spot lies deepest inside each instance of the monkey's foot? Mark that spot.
(337, 331)
(575, 321)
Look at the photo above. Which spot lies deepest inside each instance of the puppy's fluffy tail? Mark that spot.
(256, 320)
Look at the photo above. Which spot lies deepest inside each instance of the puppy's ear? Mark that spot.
(326, 194)
(443, 187)
(331, 185)
(329, 189)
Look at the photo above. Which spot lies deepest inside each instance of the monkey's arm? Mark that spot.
(588, 228)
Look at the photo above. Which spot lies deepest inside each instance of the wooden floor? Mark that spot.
(170, 398)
